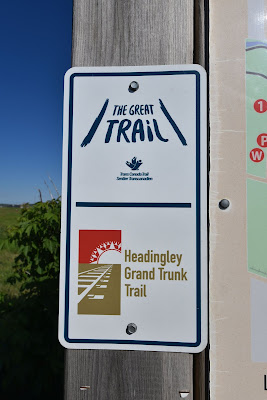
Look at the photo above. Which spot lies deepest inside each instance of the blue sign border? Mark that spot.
(198, 213)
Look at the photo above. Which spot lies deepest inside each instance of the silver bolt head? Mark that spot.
(224, 204)
(131, 328)
(134, 86)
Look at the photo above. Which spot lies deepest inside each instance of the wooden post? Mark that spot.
(201, 29)
(117, 33)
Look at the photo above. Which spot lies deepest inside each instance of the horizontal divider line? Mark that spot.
(148, 205)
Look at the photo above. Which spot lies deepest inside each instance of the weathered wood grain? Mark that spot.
(115, 33)
(201, 21)
(121, 375)
(127, 32)
(200, 32)
(201, 375)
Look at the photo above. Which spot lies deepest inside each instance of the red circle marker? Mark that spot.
(262, 140)
(256, 155)
(260, 105)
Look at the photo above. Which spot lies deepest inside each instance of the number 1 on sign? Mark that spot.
(260, 105)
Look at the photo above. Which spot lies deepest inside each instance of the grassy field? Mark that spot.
(8, 217)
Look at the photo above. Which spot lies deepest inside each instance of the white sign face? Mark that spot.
(134, 220)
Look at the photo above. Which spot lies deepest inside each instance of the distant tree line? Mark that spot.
(10, 205)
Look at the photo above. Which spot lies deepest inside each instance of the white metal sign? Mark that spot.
(134, 222)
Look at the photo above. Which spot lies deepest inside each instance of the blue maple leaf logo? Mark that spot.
(134, 164)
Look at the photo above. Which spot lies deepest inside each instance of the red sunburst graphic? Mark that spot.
(102, 248)
(94, 243)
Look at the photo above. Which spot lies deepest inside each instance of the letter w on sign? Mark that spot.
(256, 155)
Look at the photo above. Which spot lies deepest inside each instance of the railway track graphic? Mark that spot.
(92, 280)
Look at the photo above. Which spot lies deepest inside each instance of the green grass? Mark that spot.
(8, 217)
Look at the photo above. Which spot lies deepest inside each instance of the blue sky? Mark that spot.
(35, 54)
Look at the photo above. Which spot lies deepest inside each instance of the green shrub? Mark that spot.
(31, 359)
(37, 236)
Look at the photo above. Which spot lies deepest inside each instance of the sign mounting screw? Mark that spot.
(131, 328)
(224, 204)
(133, 87)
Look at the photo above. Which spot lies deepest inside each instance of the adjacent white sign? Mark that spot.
(134, 209)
